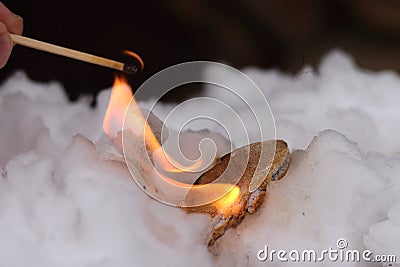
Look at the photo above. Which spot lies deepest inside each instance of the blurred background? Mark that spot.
(284, 34)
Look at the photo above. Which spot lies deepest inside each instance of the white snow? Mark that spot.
(67, 200)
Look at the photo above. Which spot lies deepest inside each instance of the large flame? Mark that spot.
(121, 98)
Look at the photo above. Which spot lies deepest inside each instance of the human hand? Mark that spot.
(9, 23)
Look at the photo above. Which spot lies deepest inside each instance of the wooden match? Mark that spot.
(70, 53)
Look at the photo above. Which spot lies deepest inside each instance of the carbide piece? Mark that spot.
(248, 202)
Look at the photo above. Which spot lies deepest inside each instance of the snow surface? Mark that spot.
(66, 200)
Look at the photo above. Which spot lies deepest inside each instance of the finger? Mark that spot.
(6, 44)
(14, 23)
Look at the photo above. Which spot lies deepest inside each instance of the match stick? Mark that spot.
(66, 52)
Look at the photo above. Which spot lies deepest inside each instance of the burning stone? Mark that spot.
(240, 177)
(230, 210)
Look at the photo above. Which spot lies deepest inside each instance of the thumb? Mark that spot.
(6, 44)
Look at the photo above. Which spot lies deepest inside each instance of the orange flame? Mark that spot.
(121, 97)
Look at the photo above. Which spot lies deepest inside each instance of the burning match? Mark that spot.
(70, 53)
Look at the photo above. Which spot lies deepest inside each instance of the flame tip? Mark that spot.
(121, 95)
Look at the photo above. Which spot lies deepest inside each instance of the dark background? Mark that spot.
(269, 34)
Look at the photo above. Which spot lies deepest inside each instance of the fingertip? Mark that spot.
(6, 45)
(13, 22)
(17, 25)
(2, 63)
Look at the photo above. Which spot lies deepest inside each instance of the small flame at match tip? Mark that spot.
(130, 69)
(138, 58)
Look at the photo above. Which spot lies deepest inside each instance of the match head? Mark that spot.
(130, 69)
